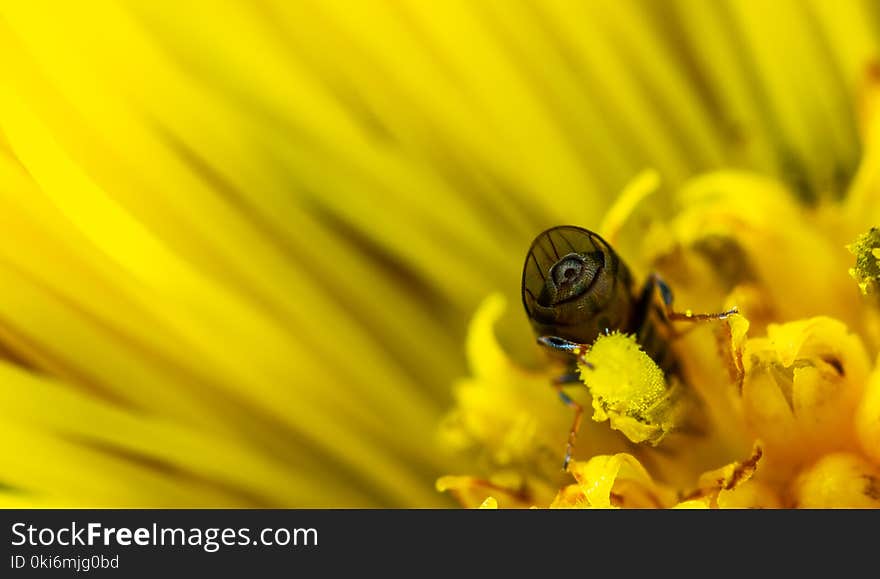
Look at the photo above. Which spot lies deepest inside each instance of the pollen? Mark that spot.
(629, 389)
(867, 269)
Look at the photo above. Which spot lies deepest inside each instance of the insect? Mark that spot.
(575, 288)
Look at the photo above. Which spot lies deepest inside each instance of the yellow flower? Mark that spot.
(802, 397)
(790, 376)
(242, 240)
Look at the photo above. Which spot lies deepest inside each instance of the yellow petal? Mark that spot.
(474, 492)
(802, 384)
(511, 414)
(570, 497)
(838, 480)
(608, 481)
(643, 185)
(733, 486)
(752, 494)
(732, 475)
(499, 407)
(868, 417)
(737, 328)
(769, 240)
(489, 503)
(700, 503)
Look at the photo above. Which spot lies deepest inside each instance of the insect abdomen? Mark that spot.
(575, 286)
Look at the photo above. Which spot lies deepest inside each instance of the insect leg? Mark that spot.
(567, 378)
(576, 425)
(566, 347)
(562, 345)
(577, 350)
(656, 283)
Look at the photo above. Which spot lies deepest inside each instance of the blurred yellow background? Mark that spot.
(242, 240)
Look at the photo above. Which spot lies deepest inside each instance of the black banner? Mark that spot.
(134, 543)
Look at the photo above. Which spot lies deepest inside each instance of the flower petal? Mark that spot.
(512, 414)
(489, 503)
(508, 492)
(802, 384)
(745, 227)
(733, 486)
(868, 417)
(838, 480)
(610, 481)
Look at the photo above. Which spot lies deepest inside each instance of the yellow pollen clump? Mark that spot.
(630, 390)
(867, 269)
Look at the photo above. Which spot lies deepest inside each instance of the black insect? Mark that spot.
(576, 288)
